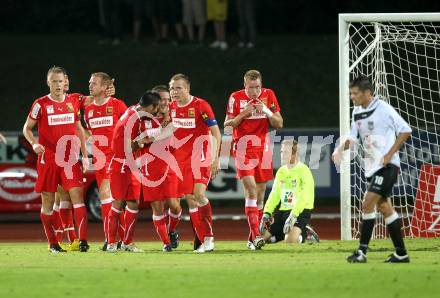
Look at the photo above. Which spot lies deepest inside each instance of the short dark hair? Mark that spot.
(161, 88)
(363, 83)
(150, 97)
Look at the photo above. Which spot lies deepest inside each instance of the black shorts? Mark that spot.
(382, 181)
(280, 217)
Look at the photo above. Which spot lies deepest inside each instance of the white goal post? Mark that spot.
(399, 53)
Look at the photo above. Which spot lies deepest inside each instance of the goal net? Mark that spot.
(402, 58)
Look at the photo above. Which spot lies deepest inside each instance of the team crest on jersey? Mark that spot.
(49, 109)
(205, 116)
(109, 110)
(272, 106)
(173, 113)
(69, 107)
(370, 125)
(191, 112)
(90, 115)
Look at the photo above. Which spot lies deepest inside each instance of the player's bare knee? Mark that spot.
(133, 205)
(47, 201)
(76, 195)
(200, 196)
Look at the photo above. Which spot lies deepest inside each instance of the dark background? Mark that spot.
(297, 53)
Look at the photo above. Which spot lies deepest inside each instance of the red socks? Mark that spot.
(80, 214)
(113, 222)
(195, 220)
(252, 216)
(57, 223)
(205, 213)
(67, 220)
(121, 226)
(174, 220)
(130, 222)
(106, 204)
(47, 222)
(160, 222)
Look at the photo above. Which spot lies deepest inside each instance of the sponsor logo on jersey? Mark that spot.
(61, 119)
(109, 110)
(69, 107)
(204, 116)
(35, 110)
(184, 122)
(101, 122)
(49, 109)
(90, 115)
(173, 113)
(191, 112)
(243, 104)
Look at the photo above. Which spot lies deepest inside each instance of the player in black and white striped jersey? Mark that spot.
(381, 131)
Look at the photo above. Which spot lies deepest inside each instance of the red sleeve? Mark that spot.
(231, 110)
(79, 100)
(122, 107)
(207, 114)
(35, 111)
(273, 102)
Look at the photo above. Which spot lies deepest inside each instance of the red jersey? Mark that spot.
(193, 119)
(121, 142)
(80, 99)
(101, 120)
(258, 123)
(55, 120)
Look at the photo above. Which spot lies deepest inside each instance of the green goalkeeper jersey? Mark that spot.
(293, 189)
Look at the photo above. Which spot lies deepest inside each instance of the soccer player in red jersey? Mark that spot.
(63, 206)
(173, 203)
(159, 181)
(59, 129)
(101, 117)
(196, 153)
(124, 175)
(250, 112)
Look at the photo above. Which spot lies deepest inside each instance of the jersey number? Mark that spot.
(378, 180)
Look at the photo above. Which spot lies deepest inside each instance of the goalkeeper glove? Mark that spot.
(290, 222)
(266, 221)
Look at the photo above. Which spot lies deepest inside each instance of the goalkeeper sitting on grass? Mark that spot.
(293, 192)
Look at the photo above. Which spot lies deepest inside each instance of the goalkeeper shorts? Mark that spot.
(280, 217)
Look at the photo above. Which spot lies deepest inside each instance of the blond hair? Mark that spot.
(252, 74)
(56, 69)
(105, 78)
(180, 76)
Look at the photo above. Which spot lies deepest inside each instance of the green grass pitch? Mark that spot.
(28, 270)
